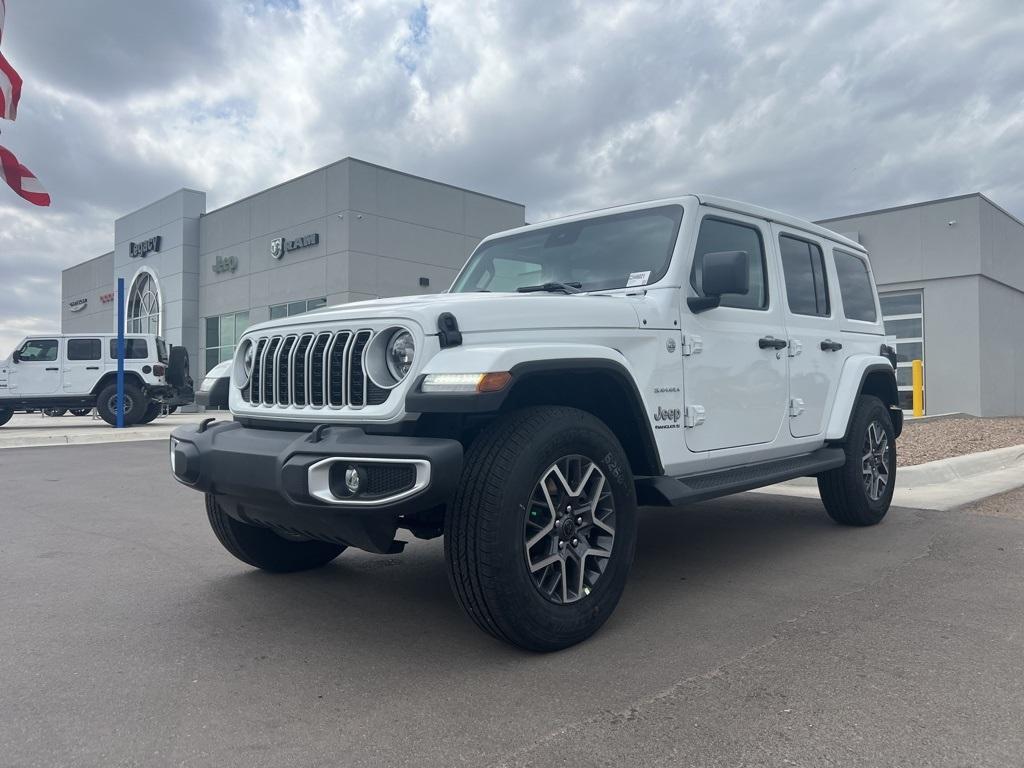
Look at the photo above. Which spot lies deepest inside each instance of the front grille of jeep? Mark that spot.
(312, 370)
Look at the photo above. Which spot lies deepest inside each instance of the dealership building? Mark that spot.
(950, 272)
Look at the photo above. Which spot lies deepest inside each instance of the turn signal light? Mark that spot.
(465, 382)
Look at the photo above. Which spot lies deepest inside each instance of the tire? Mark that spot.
(153, 409)
(81, 411)
(870, 461)
(172, 409)
(5, 415)
(501, 507)
(55, 412)
(264, 549)
(134, 404)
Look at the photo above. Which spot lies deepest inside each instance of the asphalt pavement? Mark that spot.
(753, 631)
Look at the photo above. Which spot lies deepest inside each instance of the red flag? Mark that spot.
(21, 179)
(10, 89)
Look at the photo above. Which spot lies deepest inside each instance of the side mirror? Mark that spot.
(16, 356)
(721, 272)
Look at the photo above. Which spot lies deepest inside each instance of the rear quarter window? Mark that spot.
(855, 287)
(134, 349)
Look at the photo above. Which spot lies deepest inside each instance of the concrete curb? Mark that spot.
(943, 470)
(114, 436)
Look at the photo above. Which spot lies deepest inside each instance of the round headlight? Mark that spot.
(248, 354)
(400, 352)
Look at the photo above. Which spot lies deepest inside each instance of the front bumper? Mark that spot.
(293, 482)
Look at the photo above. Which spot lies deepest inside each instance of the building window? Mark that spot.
(222, 335)
(278, 311)
(904, 325)
(143, 309)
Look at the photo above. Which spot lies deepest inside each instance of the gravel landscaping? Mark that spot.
(933, 439)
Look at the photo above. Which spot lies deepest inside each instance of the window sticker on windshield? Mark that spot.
(638, 278)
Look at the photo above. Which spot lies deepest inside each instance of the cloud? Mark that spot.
(815, 108)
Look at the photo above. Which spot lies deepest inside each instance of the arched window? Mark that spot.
(143, 310)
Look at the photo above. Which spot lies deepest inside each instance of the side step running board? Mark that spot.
(673, 491)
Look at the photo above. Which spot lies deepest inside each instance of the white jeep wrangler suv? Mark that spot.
(651, 354)
(79, 372)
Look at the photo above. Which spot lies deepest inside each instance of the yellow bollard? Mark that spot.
(918, 382)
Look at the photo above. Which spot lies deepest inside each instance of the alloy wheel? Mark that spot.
(875, 461)
(570, 529)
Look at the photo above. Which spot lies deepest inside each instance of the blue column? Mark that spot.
(120, 353)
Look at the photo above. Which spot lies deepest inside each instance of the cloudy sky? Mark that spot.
(816, 108)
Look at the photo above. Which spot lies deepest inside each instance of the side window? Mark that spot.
(855, 287)
(84, 349)
(720, 235)
(803, 266)
(134, 349)
(38, 351)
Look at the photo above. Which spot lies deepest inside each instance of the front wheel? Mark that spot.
(264, 549)
(540, 535)
(6, 414)
(860, 491)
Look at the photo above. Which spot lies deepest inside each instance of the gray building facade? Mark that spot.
(951, 277)
(346, 232)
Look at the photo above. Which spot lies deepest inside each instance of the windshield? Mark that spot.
(622, 250)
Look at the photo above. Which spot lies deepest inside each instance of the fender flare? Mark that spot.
(851, 383)
(524, 363)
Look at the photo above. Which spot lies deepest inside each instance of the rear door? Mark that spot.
(37, 372)
(82, 364)
(737, 380)
(815, 348)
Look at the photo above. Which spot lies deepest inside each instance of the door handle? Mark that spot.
(770, 342)
(830, 346)
(53, 369)
(92, 367)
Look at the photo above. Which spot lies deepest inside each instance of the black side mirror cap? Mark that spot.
(698, 304)
(16, 357)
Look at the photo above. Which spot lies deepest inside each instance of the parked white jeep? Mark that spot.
(79, 371)
(653, 354)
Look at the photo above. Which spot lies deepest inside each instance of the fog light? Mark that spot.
(184, 461)
(352, 480)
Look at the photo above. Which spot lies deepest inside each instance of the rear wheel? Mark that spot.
(6, 415)
(55, 411)
(151, 412)
(540, 536)
(860, 491)
(134, 404)
(262, 548)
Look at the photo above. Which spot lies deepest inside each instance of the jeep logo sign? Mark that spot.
(139, 250)
(225, 264)
(280, 245)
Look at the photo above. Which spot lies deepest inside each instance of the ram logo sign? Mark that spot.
(281, 245)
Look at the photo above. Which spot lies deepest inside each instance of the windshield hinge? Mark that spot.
(795, 347)
(692, 345)
(796, 407)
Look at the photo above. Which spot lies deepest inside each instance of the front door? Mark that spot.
(815, 348)
(37, 372)
(735, 370)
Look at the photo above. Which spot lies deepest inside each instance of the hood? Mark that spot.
(480, 312)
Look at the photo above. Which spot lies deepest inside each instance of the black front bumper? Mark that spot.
(261, 477)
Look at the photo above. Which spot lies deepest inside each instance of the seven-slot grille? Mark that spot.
(315, 370)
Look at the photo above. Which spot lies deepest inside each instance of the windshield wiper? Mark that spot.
(551, 288)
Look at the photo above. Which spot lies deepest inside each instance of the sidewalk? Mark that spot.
(32, 429)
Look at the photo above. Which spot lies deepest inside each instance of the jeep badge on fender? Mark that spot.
(653, 354)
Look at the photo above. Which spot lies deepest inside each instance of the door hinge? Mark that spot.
(693, 416)
(795, 347)
(796, 407)
(692, 345)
